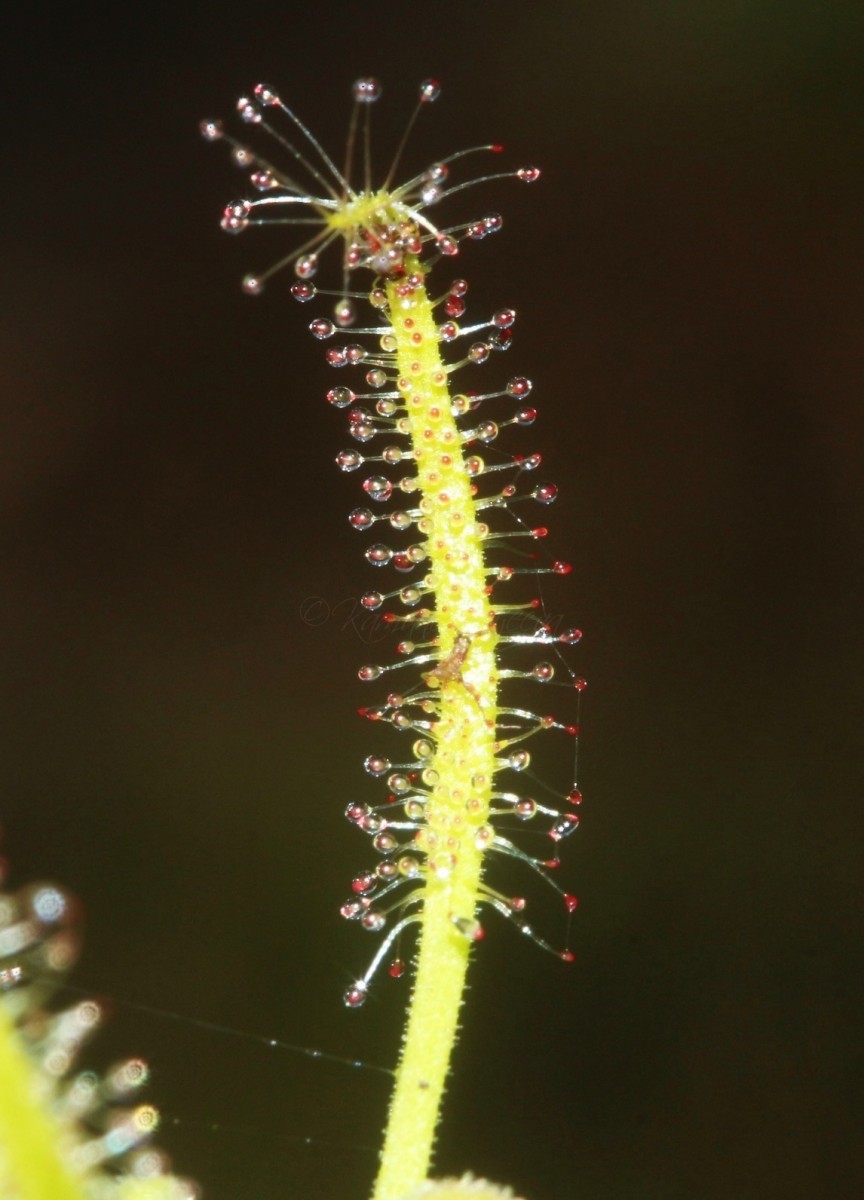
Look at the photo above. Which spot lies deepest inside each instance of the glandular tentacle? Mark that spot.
(456, 535)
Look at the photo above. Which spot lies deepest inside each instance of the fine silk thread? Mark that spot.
(450, 498)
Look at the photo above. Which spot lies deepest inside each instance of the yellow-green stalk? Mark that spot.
(458, 808)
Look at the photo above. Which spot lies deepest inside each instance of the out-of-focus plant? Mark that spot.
(65, 1134)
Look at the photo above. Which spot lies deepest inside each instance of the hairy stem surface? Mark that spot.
(459, 777)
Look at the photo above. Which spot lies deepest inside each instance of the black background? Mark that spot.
(179, 744)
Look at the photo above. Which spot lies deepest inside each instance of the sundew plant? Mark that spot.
(447, 493)
(450, 505)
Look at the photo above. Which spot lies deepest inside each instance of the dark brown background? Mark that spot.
(179, 745)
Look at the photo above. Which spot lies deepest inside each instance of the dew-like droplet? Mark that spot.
(525, 808)
(304, 291)
(372, 600)
(234, 219)
(379, 555)
(528, 174)
(349, 460)
(396, 969)
(519, 387)
(525, 416)
(248, 111)
(543, 672)
(266, 95)
(580, 684)
(378, 488)
(238, 208)
(562, 568)
(430, 90)
(544, 493)
(519, 760)
(211, 131)
(252, 285)
(376, 766)
(306, 266)
(408, 866)
(321, 328)
(436, 172)
(568, 824)
(376, 377)
(479, 352)
(574, 796)
(384, 842)
(242, 157)
(571, 903)
(363, 883)
(48, 903)
(483, 837)
(373, 920)
(370, 672)
(356, 995)
(361, 518)
(341, 397)
(345, 312)
(363, 431)
(366, 90)
(504, 318)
